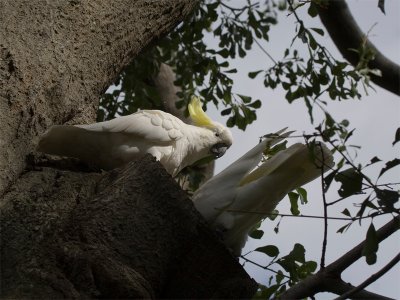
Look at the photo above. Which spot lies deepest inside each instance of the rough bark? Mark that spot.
(130, 233)
(57, 57)
(66, 230)
(345, 33)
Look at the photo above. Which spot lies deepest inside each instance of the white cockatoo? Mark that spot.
(254, 184)
(113, 143)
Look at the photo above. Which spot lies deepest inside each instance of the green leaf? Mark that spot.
(273, 215)
(381, 5)
(231, 121)
(387, 199)
(279, 276)
(374, 160)
(318, 30)
(224, 53)
(312, 10)
(226, 111)
(346, 212)
(389, 165)
(302, 35)
(298, 253)
(256, 104)
(245, 99)
(328, 180)
(351, 180)
(276, 228)
(313, 42)
(371, 245)
(303, 195)
(286, 52)
(364, 205)
(256, 234)
(231, 71)
(253, 75)
(344, 228)
(397, 136)
(311, 266)
(294, 207)
(270, 250)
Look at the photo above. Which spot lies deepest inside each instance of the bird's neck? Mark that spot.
(199, 144)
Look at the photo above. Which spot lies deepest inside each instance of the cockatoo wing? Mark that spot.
(262, 190)
(219, 192)
(243, 194)
(152, 125)
(251, 159)
(282, 173)
(131, 135)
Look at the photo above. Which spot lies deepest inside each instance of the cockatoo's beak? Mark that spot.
(219, 149)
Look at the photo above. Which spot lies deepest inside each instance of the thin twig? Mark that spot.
(371, 279)
(325, 240)
(238, 9)
(299, 216)
(351, 163)
(262, 267)
(294, 13)
(265, 51)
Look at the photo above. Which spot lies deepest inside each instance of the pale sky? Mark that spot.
(376, 118)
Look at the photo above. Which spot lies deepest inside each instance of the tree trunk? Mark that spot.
(58, 57)
(129, 233)
(67, 231)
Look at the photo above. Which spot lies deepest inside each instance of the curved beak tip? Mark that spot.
(219, 150)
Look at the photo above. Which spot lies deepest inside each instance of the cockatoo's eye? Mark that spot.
(217, 134)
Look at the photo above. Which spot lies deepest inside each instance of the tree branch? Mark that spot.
(325, 240)
(371, 279)
(346, 35)
(328, 279)
(339, 265)
(338, 286)
(164, 83)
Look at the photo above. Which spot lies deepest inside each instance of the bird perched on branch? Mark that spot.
(243, 194)
(113, 143)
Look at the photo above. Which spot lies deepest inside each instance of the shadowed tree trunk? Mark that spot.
(67, 231)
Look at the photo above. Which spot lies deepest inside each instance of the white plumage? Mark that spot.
(113, 143)
(249, 185)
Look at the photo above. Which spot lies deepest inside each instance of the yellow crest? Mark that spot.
(197, 113)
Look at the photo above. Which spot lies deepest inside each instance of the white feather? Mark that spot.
(113, 143)
(243, 188)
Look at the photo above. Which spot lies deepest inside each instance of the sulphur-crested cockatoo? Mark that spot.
(250, 184)
(113, 143)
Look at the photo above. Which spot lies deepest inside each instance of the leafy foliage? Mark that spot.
(199, 69)
(293, 268)
(371, 246)
(312, 78)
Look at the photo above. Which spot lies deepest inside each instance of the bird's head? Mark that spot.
(221, 138)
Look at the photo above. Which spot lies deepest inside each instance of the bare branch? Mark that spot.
(346, 35)
(338, 286)
(164, 83)
(339, 265)
(325, 240)
(371, 279)
(300, 216)
(328, 279)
